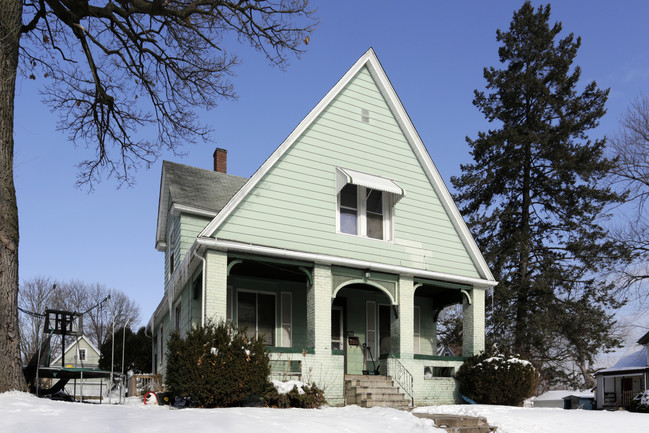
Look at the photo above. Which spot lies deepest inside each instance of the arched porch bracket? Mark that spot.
(436, 314)
(309, 275)
(468, 296)
(369, 283)
(232, 264)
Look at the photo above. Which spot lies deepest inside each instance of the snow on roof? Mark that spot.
(633, 360)
(560, 394)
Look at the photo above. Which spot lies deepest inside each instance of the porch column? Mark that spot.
(216, 286)
(473, 325)
(402, 329)
(318, 304)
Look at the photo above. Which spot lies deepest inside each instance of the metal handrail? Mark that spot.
(401, 375)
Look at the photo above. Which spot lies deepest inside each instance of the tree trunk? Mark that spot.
(11, 374)
(521, 338)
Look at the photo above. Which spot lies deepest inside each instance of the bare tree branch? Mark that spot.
(119, 68)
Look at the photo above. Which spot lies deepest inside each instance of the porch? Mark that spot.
(323, 322)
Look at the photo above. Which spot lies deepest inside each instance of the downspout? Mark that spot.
(203, 288)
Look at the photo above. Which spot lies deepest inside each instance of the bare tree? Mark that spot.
(99, 306)
(33, 299)
(631, 146)
(114, 70)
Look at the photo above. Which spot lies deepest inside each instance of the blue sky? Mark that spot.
(432, 51)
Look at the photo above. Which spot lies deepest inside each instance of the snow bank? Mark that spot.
(510, 419)
(21, 412)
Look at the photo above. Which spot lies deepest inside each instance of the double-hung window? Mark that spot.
(366, 204)
(256, 313)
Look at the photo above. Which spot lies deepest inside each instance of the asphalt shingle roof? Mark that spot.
(200, 188)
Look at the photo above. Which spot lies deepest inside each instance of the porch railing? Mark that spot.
(401, 375)
(626, 397)
(141, 383)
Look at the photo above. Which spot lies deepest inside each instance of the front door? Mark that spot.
(384, 330)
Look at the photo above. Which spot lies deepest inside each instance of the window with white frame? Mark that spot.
(366, 204)
(178, 316)
(287, 319)
(82, 354)
(256, 313)
(417, 329)
(171, 245)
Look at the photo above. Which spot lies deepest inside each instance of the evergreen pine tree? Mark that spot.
(535, 203)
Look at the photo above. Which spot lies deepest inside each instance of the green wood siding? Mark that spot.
(294, 205)
(186, 229)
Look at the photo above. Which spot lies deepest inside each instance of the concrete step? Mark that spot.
(370, 391)
(375, 383)
(459, 423)
(375, 389)
(392, 404)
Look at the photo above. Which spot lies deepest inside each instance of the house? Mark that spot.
(341, 250)
(617, 385)
(83, 356)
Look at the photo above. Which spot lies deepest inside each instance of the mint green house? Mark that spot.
(341, 250)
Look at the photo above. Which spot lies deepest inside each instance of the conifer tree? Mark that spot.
(535, 203)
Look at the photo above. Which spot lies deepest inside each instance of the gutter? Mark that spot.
(204, 273)
(224, 245)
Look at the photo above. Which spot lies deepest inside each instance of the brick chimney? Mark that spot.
(221, 160)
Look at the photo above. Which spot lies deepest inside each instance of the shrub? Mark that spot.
(640, 403)
(216, 366)
(493, 378)
(301, 395)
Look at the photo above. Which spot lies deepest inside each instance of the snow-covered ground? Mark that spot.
(24, 413)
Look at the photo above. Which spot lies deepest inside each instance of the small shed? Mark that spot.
(579, 401)
(551, 398)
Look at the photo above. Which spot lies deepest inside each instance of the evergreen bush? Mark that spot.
(640, 403)
(305, 397)
(493, 378)
(217, 366)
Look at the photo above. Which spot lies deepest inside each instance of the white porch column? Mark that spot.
(473, 325)
(403, 329)
(216, 286)
(318, 302)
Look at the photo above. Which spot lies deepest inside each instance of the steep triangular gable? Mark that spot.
(367, 65)
(70, 349)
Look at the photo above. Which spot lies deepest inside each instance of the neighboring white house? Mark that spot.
(83, 356)
(617, 385)
(341, 250)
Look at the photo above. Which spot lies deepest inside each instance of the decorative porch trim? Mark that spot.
(232, 264)
(442, 278)
(468, 296)
(440, 358)
(276, 349)
(366, 282)
(309, 274)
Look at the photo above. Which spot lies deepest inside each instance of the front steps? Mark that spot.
(459, 423)
(371, 391)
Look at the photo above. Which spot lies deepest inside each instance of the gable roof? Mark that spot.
(644, 339)
(630, 361)
(371, 62)
(70, 347)
(193, 190)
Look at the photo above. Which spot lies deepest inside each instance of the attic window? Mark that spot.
(365, 115)
(366, 204)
